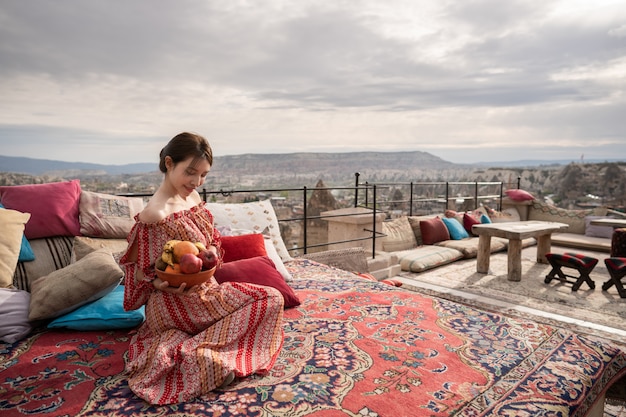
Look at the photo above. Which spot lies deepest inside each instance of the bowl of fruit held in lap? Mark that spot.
(187, 262)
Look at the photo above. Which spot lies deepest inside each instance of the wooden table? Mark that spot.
(515, 232)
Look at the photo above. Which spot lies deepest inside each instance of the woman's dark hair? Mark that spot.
(184, 145)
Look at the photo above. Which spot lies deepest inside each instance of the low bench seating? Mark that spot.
(581, 263)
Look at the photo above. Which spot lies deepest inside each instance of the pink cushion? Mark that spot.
(519, 195)
(243, 247)
(433, 231)
(53, 207)
(259, 270)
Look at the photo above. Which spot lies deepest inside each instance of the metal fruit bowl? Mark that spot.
(175, 280)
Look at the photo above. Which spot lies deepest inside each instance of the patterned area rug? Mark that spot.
(353, 348)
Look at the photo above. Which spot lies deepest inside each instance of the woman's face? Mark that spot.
(188, 174)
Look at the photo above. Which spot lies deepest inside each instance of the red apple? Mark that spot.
(208, 258)
(190, 264)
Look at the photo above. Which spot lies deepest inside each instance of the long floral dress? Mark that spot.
(190, 343)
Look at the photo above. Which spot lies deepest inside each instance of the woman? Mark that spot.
(194, 339)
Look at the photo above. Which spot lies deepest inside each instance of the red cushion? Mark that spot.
(259, 270)
(519, 195)
(469, 221)
(53, 207)
(433, 230)
(243, 247)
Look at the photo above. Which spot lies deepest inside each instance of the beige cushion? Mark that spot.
(84, 245)
(258, 216)
(469, 246)
(106, 215)
(399, 235)
(51, 253)
(12, 226)
(66, 289)
(427, 257)
(575, 219)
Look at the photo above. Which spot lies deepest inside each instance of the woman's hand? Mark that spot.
(164, 286)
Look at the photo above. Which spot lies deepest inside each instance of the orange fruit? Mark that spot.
(184, 247)
(173, 269)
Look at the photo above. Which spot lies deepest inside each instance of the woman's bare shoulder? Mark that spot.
(152, 213)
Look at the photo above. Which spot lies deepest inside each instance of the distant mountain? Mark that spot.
(534, 163)
(33, 166)
(259, 164)
(276, 164)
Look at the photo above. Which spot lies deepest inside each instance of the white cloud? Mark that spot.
(481, 79)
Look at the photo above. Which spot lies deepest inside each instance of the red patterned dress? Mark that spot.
(190, 343)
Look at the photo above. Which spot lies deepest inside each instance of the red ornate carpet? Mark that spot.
(353, 348)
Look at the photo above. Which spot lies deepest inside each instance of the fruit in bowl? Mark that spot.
(185, 261)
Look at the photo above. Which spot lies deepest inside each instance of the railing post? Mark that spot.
(306, 220)
(367, 194)
(411, 200)
(374, 224)
(475, 195)
(447, 196)
(519, 182)
(356, 189)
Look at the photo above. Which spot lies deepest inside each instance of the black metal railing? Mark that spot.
(293, 204)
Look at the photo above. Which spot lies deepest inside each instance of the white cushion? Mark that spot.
(14, 312)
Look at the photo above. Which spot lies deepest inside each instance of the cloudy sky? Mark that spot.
(466, 80)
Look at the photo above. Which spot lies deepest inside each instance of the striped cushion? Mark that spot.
(427, 257)
(51, 253)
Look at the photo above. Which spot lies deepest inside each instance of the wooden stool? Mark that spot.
(617, 270)
(583, 264)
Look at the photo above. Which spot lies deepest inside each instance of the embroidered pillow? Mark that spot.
(257, 216)
(12, 226)
(259, 270)
(433, 230)
(53, 207)
(106, 215)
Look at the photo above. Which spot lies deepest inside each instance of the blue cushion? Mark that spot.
(26, 252)
(455, 228)
(484, 219)
(103, 314)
